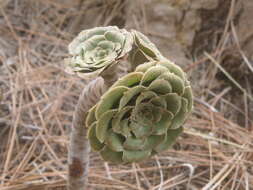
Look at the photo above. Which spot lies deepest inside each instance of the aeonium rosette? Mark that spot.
(141, 114)
(96, 49)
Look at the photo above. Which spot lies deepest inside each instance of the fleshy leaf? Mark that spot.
(93, 41)
(111, 156)
(153, 140)
(146, 95)
(94, 142)
(162, 126)
(114, 141)
(133, 143)
(159, 101)
(172, 134)
(129, 80)
(176, 82)
(125, 128)
(173, 102)
(128, 43)
(104, 124)
(128, 95)
(173, 68)
(146, 46)
(117, 119)
(110, 99)
(135, 156)
(139, 130)
(179, 119)
(94, 31)
(160, 86)
(188, 95)
(115, 37)
(152, 73)
(144, 67)
(106, 45)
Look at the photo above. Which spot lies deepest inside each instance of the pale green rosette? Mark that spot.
(96, 49)
(141, 114)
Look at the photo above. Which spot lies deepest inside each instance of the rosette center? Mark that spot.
(146, 113)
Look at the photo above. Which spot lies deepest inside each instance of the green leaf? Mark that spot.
(179, 119)
(152, 73)
(135, 156)
(159, 101)
(86, 46)
(173, 102)
(173, 68)
(176, 82)
(139, 130)
(115, 36)
(128, 95)
(144, 67)
(95, 31)
(94, 142)
(189, 96)
(106, 45)
(133, 143)
(162, 126)
(153, 140)
(109, 100)
(84, 35)
(129, 80)
(146, 95)
(160, 86)
(128, 43)
(111, 156)
(146, 46)
(172, 134)
(117, 119)
(104, 124)
(114, 141)
(125, 129)
(93, 41)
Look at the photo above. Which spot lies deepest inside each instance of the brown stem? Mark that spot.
(79, 149)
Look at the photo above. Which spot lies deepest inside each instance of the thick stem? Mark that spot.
(79, 149)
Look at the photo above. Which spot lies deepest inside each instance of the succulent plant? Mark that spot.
(141, 114)
(96, 49)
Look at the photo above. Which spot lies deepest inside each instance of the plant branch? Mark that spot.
(79, 149)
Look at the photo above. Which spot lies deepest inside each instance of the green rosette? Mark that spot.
(141, 114)
(94, 50)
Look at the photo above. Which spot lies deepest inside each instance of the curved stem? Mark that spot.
(79, 149)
